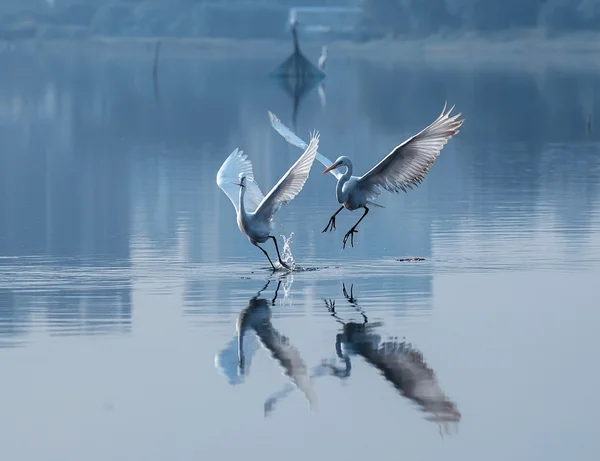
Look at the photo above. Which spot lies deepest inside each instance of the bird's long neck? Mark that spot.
(343, 180)
(242, 208)
(295, 37)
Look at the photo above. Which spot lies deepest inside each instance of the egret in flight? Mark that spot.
(404, 167)
(255, 211)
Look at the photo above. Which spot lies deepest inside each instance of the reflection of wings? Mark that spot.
(405, 368)
(227, 359)
(318, 371)
(288, 357)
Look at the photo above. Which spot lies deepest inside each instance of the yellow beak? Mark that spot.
(332, 167)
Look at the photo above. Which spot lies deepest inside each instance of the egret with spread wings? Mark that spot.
(255, 211)
(404, 167)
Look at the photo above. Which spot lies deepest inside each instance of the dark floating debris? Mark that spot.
(416, 258)
(308, 269)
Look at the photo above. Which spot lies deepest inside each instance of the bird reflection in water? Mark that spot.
(257, 317)
(399, 362)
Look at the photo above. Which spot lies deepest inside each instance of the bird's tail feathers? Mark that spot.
(375, 204)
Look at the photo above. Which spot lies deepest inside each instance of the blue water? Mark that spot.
(123, 272)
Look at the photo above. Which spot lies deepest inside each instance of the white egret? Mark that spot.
(323, 58)
(404, 167)
(255, 211)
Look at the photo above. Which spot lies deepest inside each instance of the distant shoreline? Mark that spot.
(572, 49)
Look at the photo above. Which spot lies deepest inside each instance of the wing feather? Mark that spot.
(237, 163)
(291, 183)
(406, 165)
(293, 139)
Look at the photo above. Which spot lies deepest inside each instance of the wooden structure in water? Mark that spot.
(297, 66)
(297, 76)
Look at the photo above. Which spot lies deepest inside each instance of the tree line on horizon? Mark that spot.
(267, 18)
(417, 17)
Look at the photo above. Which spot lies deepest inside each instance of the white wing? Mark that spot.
(291, 183)
(406, 165)
(291, 137)
(236, 163)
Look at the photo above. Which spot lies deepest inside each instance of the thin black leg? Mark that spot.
(276, 291)
(278, 255)
(267, 255)
(332, 221)
(263, 288)
(352, 300)
(353, 230)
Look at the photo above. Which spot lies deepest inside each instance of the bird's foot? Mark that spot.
(285, 265)
(330, 225)
(350, 234)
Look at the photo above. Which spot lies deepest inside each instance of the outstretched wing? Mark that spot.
(227, 176)
(293, 139)
(406, 165)
(291, 183)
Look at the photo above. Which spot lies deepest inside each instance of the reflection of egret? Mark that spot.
(255, 211)
(234, 360)
(399, 363)
(404, 167)
(247, 318)
(257, 316)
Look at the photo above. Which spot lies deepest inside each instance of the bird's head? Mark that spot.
(293, 17)
(242, 180)
(341, 161)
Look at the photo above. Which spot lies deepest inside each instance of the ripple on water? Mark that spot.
(63, 296)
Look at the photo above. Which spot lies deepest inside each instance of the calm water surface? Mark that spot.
(124, 279)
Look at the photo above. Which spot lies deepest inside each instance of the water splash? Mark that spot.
(287, 288)
(287, 256)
